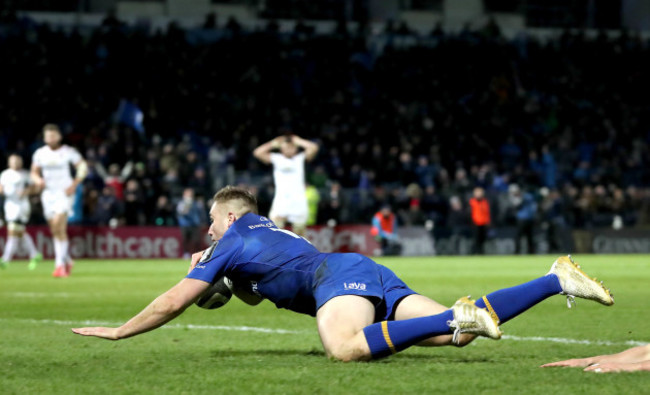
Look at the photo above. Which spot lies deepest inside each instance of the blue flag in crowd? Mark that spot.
(130, 115)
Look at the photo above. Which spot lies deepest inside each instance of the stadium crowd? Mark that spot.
(416, 121)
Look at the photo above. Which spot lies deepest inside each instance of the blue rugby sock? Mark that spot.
(388, 337)
(510, 302)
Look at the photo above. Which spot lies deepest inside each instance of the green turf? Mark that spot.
(38, 353)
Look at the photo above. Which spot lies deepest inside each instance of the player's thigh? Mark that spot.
(340, 325)
(59, 222)
(15, 229)
(414, 306)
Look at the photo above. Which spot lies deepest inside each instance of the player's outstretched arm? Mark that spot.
(633, 355)
(573, 363)
(163, 309)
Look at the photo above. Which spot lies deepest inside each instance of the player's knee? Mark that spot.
(344, 354)
(15, 228)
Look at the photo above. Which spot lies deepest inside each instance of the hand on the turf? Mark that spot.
(97, 331)
(611, 367)
(571, 363)
(196, 257)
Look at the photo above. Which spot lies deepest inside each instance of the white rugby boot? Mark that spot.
(468, 318)
(575, 282)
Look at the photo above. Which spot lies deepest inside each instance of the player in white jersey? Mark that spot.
(15, 185)
(290, 200)
(51, 172)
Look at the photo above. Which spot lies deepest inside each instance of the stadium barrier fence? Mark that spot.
(165, 242)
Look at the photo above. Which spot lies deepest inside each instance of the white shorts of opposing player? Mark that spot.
(17, 215)
(17, 211)
(293, 208)
(56, 202)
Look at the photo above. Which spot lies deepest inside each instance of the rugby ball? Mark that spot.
(217, 295)
(246, 291)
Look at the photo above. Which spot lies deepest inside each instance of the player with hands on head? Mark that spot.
(51, 173)
(363, 310)
(290, 199)
(630, 360)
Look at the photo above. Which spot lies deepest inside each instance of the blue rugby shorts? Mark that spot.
(355, 274)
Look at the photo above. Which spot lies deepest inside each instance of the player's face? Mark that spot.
(52, 138)
(15, 162)
(219, 221)
(288, 149)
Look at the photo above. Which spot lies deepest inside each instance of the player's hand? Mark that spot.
(98, 331)
(196, 257)
(571, 363)
(70, 190)
(277, 142)
(610, 367)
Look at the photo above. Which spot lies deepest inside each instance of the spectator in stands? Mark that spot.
(108, 209)
(480, 209)
(553, 220)
(332, 205)
(384, 229)
(190, 216)
(313, 199)
(425, 172)
(412, 214)
(199, 182)
(115, 177)
(525, 208)
(164, 213)
(359, 105)
(134, 204)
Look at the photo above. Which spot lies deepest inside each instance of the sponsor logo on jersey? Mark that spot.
(264, 219)
(355, 286)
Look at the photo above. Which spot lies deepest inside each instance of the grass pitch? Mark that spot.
(242, 349)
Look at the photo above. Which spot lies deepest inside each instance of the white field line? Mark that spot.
(574, 341)
(561, 340)
(169, 326)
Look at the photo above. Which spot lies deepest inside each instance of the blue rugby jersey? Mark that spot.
(280, 264)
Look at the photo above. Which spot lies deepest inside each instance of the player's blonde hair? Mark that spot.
(239, 199)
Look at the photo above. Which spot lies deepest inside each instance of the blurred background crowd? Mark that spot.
(416, 121)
